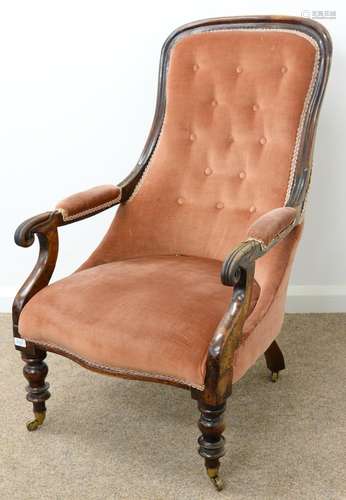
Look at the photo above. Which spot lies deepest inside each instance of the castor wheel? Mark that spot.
(275, 376)
(217, 482)
(33, 425)
(215, 478)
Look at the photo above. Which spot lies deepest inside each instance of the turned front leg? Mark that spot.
(211, 442)
(35, 371)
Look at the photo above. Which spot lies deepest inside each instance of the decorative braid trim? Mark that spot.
(147, 168)
(305, 202)
(302, 116)
(277, 235)
(264, 247)
(110, 369)
(90, 211)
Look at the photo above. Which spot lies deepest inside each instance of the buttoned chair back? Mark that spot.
(231, 121)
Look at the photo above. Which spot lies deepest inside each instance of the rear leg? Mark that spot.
(275, 360)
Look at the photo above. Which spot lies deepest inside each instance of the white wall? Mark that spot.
(77, 93)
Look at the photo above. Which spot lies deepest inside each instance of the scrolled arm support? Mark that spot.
(238, 272)
(45, 227)
(25, 232)
(72, 209)
(239, 261)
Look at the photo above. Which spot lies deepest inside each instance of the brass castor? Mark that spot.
(35, 424)
(275, 376)
(215, 479)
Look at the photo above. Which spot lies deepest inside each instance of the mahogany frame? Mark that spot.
(237, 271)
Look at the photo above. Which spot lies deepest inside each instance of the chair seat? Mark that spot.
(149, 316)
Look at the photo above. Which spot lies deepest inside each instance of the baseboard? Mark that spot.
(316, 299)
(300, 299)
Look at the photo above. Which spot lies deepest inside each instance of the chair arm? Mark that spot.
(45, 226)
(71, 209)
(238, 271)
(86, 203)
(263, 234)
(273, 225)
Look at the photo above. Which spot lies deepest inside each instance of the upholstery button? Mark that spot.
(283, 70)
(195, 67)
(219, 205)
(263, 140)
(192, 137)
(230, 139)
(214, 103)
(180, 201)
(255, 107)
(252, 209)
(208, 171)
(242, 175)
(239, 69)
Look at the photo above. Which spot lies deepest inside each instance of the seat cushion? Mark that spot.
(152, 316)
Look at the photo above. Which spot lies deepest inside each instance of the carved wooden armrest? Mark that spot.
(238, 271)
(45, 226)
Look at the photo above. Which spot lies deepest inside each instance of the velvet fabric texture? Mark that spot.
(149, 298)
(154, 315)
(86, 202)
(270, 225)
(224, 157)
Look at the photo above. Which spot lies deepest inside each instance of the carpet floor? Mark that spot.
(106, 438)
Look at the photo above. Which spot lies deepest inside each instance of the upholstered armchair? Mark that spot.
(188, 286)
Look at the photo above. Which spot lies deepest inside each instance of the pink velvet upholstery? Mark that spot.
(151, 315)
(269, 227)
(87, 202)
(224, 158)
(149, 298)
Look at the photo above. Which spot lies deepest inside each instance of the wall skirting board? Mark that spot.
(316, 299)
(300, 299)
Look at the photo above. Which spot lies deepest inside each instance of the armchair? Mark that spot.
(220, 188)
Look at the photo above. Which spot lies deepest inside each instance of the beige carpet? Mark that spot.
(106, 438)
